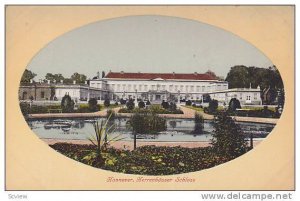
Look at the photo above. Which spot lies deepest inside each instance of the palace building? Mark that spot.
(154, 87)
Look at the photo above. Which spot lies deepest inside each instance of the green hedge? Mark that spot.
(153, 108)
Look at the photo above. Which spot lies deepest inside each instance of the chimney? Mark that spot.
(173, 73)
(122, 72)
(74, 81)
(31, 81)
(62, 81)
(195, 73)
(98, 75)
(85, 82)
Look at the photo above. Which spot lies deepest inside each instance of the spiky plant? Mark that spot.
(101, 138)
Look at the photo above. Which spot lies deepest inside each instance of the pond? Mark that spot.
(178, 130)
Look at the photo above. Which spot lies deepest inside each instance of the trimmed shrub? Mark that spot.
(67, 104)
(122, 101)
(130, 104)
(165, 105)
(199, 123)
(172, 106)
(228, 139)
(213, 106)
(25, 108)
(141, 104)
(106, 102)
(146, 123)
(93, 107)
(188, 103)
(234, 104)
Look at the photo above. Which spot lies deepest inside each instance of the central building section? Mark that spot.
(157, 87)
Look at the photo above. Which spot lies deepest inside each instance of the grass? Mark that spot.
(111, 106)
(194, 108)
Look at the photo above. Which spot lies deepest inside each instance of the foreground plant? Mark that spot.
(102, 139)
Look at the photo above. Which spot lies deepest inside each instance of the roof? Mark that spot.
(165, 76)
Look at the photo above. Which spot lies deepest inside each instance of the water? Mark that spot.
(178, 130)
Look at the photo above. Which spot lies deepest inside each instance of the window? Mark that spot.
(145, 87)
(186, 88)
(255, 96)
(241, 96)
(248, 98)
(181, 87)
(140, 87)
(42, 94)
(176, 87)
(198, 88)
(203, 88)
(123, 87)
(192, 88)
(170, 87)
(129, 87)
(118, 87)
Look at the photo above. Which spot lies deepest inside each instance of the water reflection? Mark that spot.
(178, 130)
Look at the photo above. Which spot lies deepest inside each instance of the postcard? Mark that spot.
(150, 98)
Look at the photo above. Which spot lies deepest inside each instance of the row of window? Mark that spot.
(172, 88)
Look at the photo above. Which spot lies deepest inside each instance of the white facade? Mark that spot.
(246, 96)
(79, 92)
(158, 89)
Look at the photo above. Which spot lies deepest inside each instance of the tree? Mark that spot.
(199, 121)
(238, 77)
(213, 106)
(173, 124)
(27, 76)
(243, 76)
(188, 103)
(54, 77)
(67, 104)
(106, 102)
(93, 105)
(130, 104)
(212, 74)
(206, 98)
(79, 78)
(141, 104)
(234, 104)
(165, 105)
(228, 139)
(172, 106)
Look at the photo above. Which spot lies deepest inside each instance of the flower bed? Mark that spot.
(146, 160)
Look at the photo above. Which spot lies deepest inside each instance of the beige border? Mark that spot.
(32, 165)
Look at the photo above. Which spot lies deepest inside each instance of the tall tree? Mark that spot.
(242, 77)
(27, 76)
(79, 78)
(54, 77)
(238, 77)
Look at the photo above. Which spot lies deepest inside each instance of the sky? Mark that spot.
(156, 44)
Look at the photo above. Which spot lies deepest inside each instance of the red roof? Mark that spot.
(165, 76)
